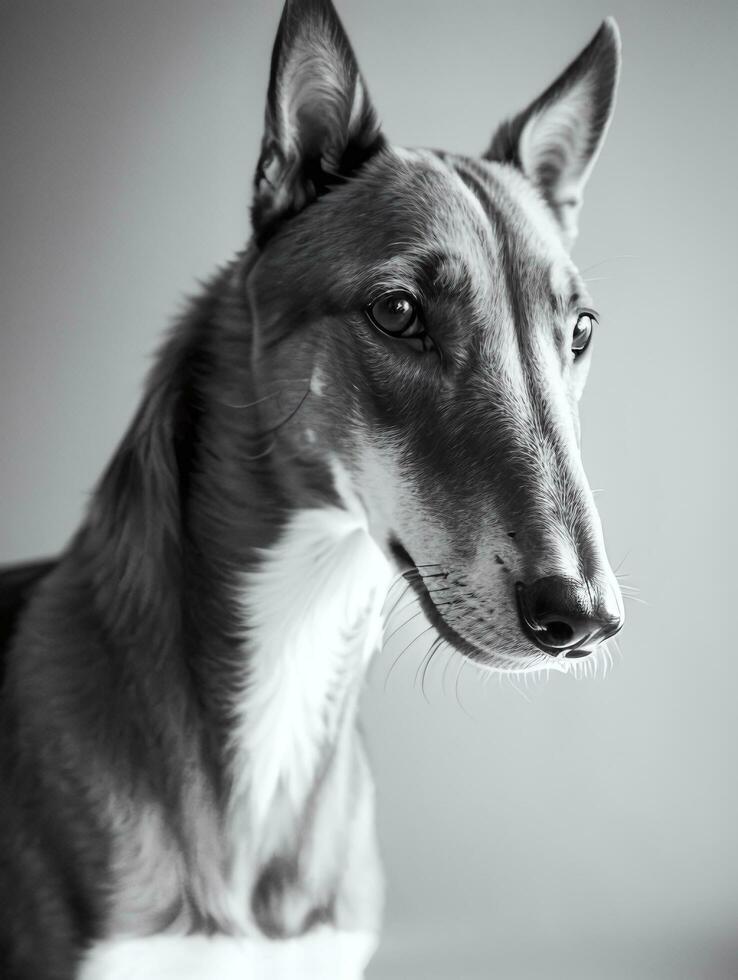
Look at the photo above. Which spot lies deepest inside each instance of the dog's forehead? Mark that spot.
(482, 225)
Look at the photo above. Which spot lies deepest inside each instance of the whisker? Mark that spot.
(621, 562)
(288, 417)
(437, 603)
(419, 612)
(445, 669)
(262, 454)
(425, 575)
(423, 666)
(608, 661)
(413, 600)
(464, 661)
(635, 598)
(403, 593)
(392, 667)
(420, 665)
(438, 644)
(615, 258)
(273, 394)
(512, 680)
(406, 648)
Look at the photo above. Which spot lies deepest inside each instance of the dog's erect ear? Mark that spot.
(320, 125)
(555, 141)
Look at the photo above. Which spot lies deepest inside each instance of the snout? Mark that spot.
(566, 615)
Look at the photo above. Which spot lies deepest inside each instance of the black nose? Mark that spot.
(562, 615)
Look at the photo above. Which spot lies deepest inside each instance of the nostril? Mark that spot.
(557, 633)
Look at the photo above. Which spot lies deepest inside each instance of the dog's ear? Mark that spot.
(320, 125)
(556, 140)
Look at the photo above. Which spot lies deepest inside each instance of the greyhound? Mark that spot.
(384, 382)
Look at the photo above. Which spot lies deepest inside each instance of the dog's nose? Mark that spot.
(562, 615)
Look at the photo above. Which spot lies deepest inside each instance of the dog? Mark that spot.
(381, 387)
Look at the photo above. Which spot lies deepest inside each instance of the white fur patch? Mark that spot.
(312, 619)
(321, 955)
(317, 382)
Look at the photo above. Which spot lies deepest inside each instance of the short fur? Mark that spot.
(184, 790)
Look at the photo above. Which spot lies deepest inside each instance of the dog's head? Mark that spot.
(430, 301)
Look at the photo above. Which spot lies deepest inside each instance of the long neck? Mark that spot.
(259, 590)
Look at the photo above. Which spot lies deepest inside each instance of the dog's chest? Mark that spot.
(324, 954)
(312, 618)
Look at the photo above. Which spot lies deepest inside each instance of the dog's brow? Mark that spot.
(567, 290)
(576, 294)
(423, 271)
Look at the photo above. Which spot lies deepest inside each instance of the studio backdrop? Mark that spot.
(558, 828)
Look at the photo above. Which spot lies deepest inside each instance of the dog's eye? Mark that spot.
(583, 332)
(396, 314)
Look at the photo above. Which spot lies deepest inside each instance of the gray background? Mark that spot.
(565, 829)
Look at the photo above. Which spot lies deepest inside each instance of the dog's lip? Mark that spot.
(417, 584)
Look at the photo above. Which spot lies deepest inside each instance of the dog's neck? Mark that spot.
(313, 613)
(262, 591)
